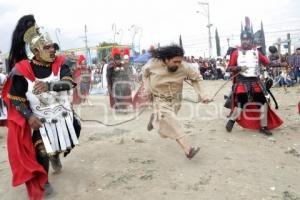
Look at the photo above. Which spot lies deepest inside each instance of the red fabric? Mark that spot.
(126, 51)
(233, 62)
(251, 112)
(80, 59)
(115, 51)
(138, 99)
(25, 69)
(21, 152)
(77, 73)
(240, 88)
(263, 59)
(250, 118)
(299, 107)
(233, 58)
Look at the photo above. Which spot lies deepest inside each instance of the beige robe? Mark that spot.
(166, 90)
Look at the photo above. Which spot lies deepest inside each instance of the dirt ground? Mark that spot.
(127, 162)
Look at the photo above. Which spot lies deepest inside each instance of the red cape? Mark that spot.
(138, 99)
(250, 118)
(21, 152)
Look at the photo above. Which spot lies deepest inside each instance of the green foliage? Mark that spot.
(218, 43)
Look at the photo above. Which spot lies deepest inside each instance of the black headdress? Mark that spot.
(18, 46)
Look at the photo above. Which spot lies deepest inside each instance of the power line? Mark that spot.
(197, 37)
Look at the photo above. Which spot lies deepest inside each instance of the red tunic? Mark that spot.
(233, 62)
(83, 85)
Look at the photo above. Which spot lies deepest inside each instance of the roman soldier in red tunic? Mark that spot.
(82, 76)
(250, 108)
(40, 121)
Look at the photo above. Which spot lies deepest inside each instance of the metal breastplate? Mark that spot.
(120, 74)
(54, 110)
(249, 58)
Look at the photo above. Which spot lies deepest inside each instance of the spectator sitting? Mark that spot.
(290, 78)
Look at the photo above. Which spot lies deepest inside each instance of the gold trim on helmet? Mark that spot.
(35, 39)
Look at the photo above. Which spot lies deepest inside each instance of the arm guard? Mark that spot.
(22, 108)
(58, 86)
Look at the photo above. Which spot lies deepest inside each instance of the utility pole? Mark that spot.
(279, 42)
(135, 29)
(289, 43)
(85, 37)
(279, 46)
(86, 45)
(114, 29)
(209, 25)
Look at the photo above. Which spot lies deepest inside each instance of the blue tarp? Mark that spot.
(142, 58)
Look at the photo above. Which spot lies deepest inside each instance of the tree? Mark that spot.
(263, 41)
(104, 44)
(180, 42)
(218, 43)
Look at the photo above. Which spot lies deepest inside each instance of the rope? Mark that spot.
(115, 124)
(216, 93)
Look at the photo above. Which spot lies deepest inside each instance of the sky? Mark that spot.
(156, 21)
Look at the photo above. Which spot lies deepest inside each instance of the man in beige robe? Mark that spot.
(163, 78)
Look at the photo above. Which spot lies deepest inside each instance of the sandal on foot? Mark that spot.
(193, 151)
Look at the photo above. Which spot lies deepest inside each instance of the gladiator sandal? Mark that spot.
(193, 151)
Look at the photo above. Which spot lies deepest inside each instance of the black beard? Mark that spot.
(172, 69)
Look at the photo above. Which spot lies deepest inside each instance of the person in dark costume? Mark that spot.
(119, 84)
(40, 117)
